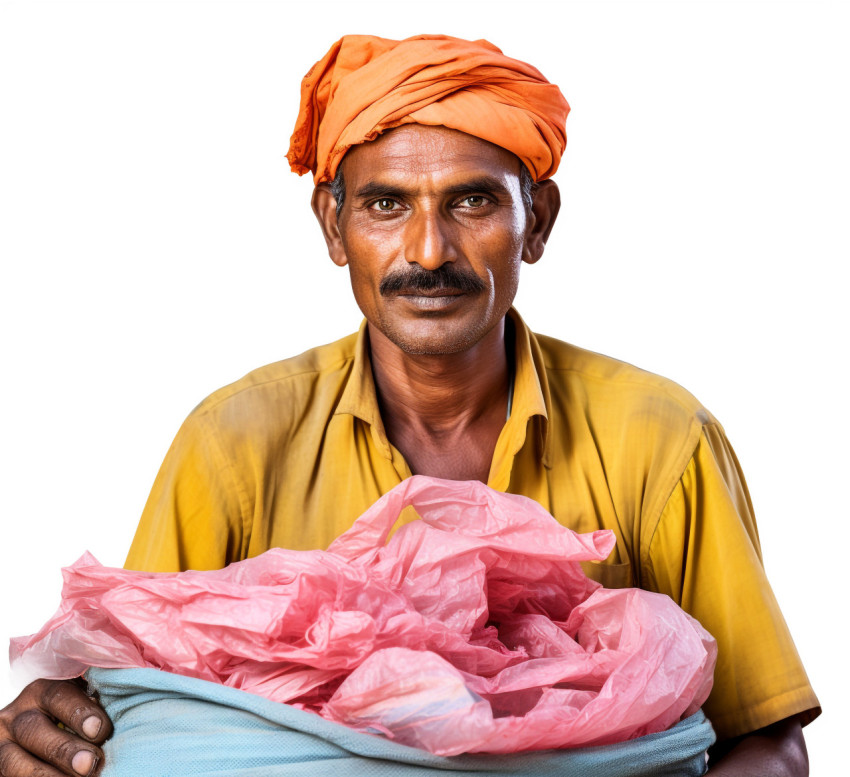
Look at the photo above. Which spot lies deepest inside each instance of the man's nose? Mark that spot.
(429, 239)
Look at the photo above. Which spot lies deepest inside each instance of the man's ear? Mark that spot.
(544, 210)
(324, 206)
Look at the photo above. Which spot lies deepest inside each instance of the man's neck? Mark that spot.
(445, 412)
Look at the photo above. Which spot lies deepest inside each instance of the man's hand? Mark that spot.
(32, 745)
(778, 750)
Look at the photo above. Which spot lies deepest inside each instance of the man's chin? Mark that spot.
(433, 337)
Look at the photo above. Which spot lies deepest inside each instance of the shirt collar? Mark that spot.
(531, 394)
(359, 397)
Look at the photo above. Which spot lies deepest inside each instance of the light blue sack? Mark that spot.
(172, 726)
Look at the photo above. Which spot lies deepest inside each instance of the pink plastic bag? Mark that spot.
(471, 630)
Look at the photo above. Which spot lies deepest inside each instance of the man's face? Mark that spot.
(433, 229)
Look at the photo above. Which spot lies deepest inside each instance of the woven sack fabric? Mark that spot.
(167, 725)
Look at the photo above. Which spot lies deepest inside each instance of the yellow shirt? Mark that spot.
(291, 454)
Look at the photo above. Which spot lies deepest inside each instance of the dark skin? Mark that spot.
(417, 199)
(438, 355)
(31, 745)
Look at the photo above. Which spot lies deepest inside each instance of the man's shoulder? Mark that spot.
(287, 383)
(617, 387)
(642, 428)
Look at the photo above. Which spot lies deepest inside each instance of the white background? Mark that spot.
(155, 246)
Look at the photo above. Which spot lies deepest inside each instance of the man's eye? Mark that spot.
(385, 204)
(473, 201)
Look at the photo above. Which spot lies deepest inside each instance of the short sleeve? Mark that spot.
(705, 554)
(193, 518)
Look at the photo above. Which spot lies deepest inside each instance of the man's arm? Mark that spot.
(32, 745)
(192, 519)
(705, 554)
(778, 750)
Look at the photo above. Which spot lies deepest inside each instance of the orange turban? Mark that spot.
(365, 85)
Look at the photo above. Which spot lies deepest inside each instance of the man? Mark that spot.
(432, 159)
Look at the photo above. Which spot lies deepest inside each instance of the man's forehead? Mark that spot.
(421, 151)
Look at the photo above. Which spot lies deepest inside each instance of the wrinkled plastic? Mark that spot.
(473, 629)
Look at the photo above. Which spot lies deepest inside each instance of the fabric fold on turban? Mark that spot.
(366, 85)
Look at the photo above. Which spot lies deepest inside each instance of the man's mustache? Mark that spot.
(446, 276)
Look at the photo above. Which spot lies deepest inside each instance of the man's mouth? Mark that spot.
(430, 300)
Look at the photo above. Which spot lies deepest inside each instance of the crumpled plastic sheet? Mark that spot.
(473, 629)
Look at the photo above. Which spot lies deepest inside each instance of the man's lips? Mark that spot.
(432, 300)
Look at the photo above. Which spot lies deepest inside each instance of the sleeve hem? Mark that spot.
(800, 701)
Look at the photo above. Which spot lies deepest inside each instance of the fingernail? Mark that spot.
(84, 762)
(91, 725)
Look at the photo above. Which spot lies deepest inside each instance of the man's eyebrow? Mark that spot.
(484, 183)
(372, 189)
